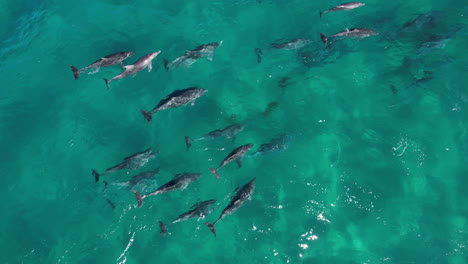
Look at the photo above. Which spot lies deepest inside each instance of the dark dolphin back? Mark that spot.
(147, 151)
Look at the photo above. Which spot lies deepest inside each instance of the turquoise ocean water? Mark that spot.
(375, 170)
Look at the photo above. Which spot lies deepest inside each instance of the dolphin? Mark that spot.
(424, 22)
(345, 6)
(291, 45)
(228, 132)
(277, 144)
(109, 60)
(180, 181)
(191, 56)
(294, 44)
(132, 162)
(235, 155)
(436, 42)
(353, 32)
(147, 175)
(318, 56)
(139, 65)
(175, 99)
(242, 195)
(199, 210)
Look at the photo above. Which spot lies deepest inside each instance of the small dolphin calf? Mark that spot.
(180, 181)
(345, 6)
(353, 32)
(236, 201)
(228, 132)
(235, 155)
(175, 99)
(132, 162)
(191, 56)
(106, 61)
(294, 44)
(139, 65)
(199, 210)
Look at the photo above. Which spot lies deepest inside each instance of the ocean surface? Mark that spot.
(371, 168)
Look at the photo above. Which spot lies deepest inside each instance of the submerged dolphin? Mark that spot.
(229, 132)
(175, 99)
(139, 65)
(235, 155)
(242, 195)
(191, 56)
(277, 144)
(353, 32)
(109, 60)
(345, 6)
(294, 44)
(147, 175)
(199, 210)
(132, 162)
(180, 181)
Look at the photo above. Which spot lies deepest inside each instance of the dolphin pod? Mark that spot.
(181, 97)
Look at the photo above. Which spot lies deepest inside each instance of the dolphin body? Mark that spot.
(318, 56)
(139, 65)
(199, 210)
(109, 60)
(175, 99)
(228, 132)
(294, 44)
(147, 175)
(132, 162)
(345, 6)
(235, 155)
(242, 195)
(353, 32)
(180, 181)
(277, 144)
(425, 22)
(191, 56)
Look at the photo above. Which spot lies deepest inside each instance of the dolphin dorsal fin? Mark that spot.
(198, 203)
(179, 175)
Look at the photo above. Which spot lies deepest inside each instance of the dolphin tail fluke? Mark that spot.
(107, 83)
(259, 53)
(156, 170)
(166, 64)
(96, 175)
(215, 172)
(188, 142)
(112, 205)
(139, 198)
(105, 186)
(162, 228)
(239, 163)
(211, 227)
(76, 72)
(324, 38)
(148, 116)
